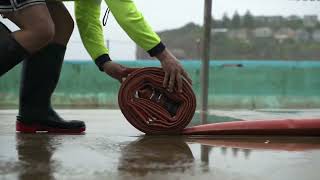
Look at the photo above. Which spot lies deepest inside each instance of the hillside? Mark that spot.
(248, 37)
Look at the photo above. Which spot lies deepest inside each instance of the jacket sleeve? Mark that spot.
(134, 24)
(87, 14)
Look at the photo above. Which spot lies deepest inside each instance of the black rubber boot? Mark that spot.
(11, 52)
(40, 75)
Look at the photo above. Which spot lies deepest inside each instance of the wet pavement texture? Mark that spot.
(112, 149)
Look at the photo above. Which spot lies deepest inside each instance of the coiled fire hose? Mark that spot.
(153, 110)
(150, 108)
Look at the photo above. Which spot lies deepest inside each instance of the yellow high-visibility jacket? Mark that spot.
(129, 18)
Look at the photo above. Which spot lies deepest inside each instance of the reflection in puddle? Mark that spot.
(261, 157)
(34, 154)
(263, 143)
(160, 157)
(150, 155)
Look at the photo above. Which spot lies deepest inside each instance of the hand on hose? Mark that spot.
(117, 71)
(174, 72)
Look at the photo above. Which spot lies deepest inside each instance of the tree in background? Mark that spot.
(248, 20)
(186, 41)
(226, 22)
(236, 20)
(294, 23)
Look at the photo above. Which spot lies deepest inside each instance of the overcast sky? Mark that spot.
(168, 14)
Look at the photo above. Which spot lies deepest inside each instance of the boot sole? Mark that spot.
(37, 128)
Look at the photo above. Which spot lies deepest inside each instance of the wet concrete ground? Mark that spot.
(112, 149)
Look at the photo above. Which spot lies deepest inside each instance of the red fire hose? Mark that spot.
(286, 127)
(153, 110)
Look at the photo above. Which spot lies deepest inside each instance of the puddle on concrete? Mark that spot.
(279, 111)
(261, 157)
(158, 157)
(212, 119)
(112, 149)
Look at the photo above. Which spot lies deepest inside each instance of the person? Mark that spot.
(44, 53)
(133, 23)
(45, 29)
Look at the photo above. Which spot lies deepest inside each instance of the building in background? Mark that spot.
(262, 32)
(316, 35)
(240, 34)
(302, 35)
(310, 20)
(284, 33)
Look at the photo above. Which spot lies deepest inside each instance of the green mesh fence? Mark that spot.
(233, 84)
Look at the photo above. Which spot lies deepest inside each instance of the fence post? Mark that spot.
(205, 60)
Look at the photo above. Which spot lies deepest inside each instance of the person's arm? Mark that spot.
(134, 24)
(88, 20)
(132, 21)
(129, 18)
